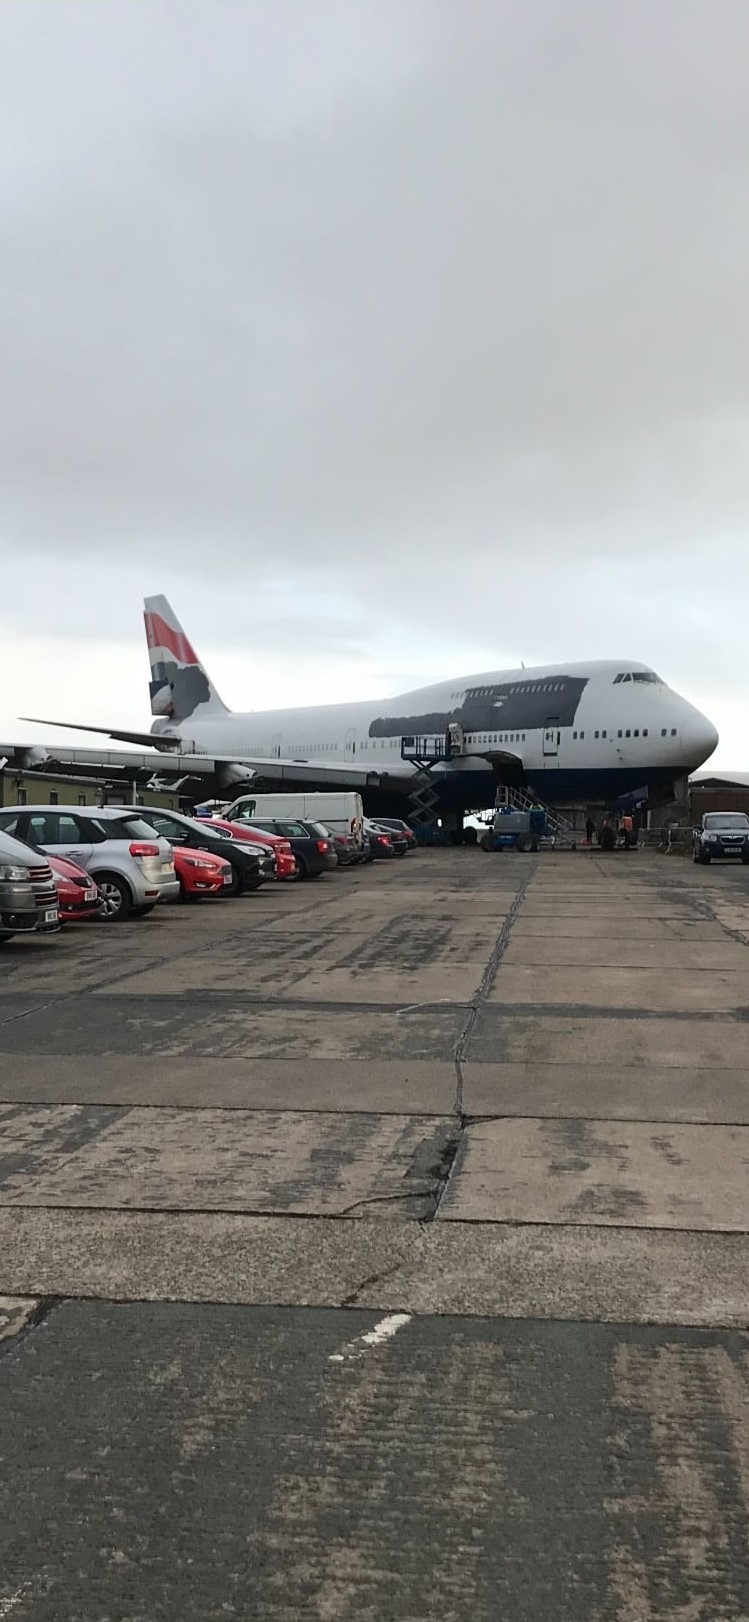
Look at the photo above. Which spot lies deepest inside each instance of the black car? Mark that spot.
(344, 844)
(378, 845)
(314, 852)
(400, 827)
(722, 833)
(395, 834)
(250, 865)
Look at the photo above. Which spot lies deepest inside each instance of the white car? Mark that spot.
(132, 864)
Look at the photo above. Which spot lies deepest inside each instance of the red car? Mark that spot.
(77, 894)
(201, 873)
(284, 855)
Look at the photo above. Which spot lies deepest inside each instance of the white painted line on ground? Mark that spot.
(384, 1330)
(411, 1007)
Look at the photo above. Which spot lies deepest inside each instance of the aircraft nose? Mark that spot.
(699, 738)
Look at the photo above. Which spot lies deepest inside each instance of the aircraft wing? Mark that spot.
(324, 774)
(333, 773)
(147, 740)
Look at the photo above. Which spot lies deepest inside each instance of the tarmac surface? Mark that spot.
(377, 1249)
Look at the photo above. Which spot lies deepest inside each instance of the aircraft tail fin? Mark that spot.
(180, 685)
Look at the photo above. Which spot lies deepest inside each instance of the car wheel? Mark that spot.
(116, 898)
(237, 883)
(301, 866)
(486, 841)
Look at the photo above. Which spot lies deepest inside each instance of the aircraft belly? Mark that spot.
(464, 790)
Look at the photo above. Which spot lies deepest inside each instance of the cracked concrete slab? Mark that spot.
(680, 990)
(222, 1160)
(479, 1269)
(587, 927)
(394, 986)
(607, 1092)
(233, 1028)
(625, 1174)
(400, 1087)
(657, 957)
(220, 1459)
(563, 1038)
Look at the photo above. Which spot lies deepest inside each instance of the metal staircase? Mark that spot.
(521, 800)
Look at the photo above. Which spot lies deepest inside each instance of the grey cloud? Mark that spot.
(433, 292)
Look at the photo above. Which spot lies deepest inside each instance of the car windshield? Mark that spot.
(727, 819)
(214, 836)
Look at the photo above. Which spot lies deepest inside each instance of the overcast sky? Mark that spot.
(391, 339)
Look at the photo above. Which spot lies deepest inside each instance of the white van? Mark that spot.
(342, 812)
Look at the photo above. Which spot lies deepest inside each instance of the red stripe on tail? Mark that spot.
(161, 635)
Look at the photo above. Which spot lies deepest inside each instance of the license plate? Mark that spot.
(89, 895)
(51, 916)
(226, 878)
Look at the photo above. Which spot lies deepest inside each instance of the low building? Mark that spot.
(718, 791)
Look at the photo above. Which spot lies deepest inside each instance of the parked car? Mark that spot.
(39, 874)
(279, 848)
(400, 827)
(345, 845)
(77, 896)
(201, 873)
(722, 833)
(132, 866)
(18, 915)
(325, 841)
(249, 868)
(397, 839)
(379, 845)
(314, 854)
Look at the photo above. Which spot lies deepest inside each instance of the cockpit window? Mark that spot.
(636, 675)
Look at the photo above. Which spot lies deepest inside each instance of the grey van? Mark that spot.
(28, 893)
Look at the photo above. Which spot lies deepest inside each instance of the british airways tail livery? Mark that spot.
(569, 733)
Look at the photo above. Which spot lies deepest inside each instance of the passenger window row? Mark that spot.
(601, 732)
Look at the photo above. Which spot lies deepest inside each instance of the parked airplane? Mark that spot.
(569, 733)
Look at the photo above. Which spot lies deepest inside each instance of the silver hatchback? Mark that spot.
(132, 864)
